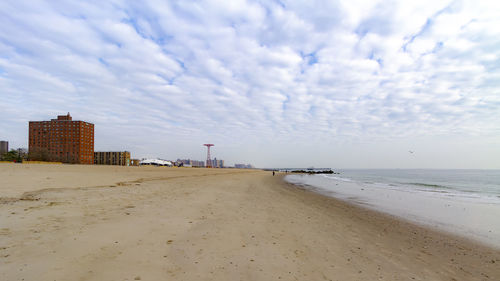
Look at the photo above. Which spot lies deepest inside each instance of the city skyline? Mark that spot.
(358, 84)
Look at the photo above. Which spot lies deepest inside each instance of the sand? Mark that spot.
(71, 222)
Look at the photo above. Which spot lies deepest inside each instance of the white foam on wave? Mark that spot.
(336, 178)
(455, 194)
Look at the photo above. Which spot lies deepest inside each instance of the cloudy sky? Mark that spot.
(342, 84)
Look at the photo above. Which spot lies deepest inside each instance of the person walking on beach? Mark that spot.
(273, 173)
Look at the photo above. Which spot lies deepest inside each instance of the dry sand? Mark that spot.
(69, 222)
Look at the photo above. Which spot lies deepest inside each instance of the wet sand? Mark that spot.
(470, 217)
(148, 223)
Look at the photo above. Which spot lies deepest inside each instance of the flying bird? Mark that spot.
(410, 151)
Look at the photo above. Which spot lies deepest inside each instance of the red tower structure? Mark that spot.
(209, 160)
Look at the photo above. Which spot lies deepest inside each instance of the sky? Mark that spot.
(340, 84)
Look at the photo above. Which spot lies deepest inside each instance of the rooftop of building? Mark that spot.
(66, 117)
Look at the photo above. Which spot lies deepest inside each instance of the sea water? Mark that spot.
(464, 202)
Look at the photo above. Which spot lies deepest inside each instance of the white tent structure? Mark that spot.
(156, 162)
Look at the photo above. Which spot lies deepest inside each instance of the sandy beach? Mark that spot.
(75, 222)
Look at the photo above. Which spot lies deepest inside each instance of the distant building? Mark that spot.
(243, 166)
(4, 147)
(62, 140)
(23, 153)
(217, 163)
(135, 162)
(118, 158)
(191, 163)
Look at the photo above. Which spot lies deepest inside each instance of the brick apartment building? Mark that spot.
(120, 158)
(62, 140)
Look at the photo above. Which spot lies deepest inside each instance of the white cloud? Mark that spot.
(268, 81)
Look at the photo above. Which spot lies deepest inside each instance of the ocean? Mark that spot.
(463, 202)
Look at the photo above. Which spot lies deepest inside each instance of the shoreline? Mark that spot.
(427, 239)
(362, 207)
(211, 224)
(440, 213)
